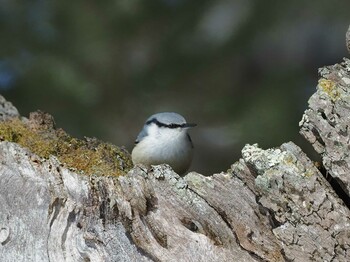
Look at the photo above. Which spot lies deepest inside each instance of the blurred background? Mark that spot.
(243, 70)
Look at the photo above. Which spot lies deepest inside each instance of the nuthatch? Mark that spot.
(164, 140)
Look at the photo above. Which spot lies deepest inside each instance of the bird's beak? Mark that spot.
(188, 125)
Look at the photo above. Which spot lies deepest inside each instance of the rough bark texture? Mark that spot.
(307, 218)
(272, 205)
(326, 124)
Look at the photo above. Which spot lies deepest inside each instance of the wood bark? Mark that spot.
(272, 205)
(326, 124)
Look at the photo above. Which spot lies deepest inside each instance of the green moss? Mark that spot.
(330, 88)
(89, 156)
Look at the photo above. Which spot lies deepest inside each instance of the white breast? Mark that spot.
(164, 146)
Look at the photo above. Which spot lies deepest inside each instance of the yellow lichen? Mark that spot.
(88, 156)
(330, 88)
(308, 173)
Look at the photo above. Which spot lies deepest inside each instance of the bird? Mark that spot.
(164, 139)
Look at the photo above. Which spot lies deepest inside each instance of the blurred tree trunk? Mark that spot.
(272, 205)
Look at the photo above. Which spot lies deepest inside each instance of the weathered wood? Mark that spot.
(289, 212)
(326, 124)
(48, 213)
(307, 218)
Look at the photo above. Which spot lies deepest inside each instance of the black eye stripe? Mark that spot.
(160, 124)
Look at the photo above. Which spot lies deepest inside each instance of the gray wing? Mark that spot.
(142, 134)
